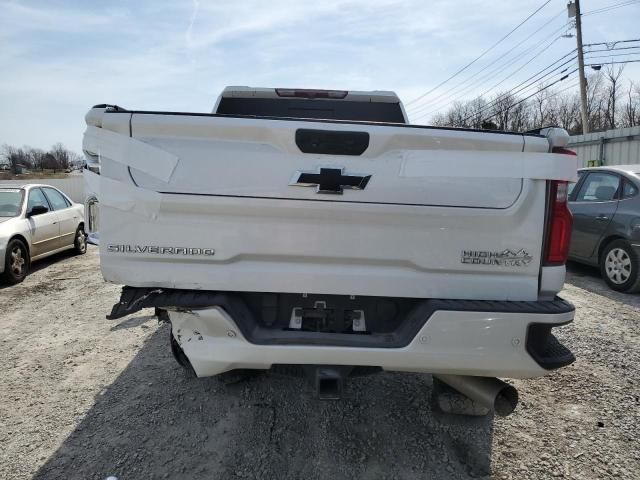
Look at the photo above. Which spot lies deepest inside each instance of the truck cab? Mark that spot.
(357, 106)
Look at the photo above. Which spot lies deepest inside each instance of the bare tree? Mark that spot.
(476, 112)
(35, 156)
(500, 109)
(456, 116)
(57, 158)
(544, 108)
(60, 157)
(75, 160)
(440, 120)
(631, 111)
(568, 114)
(15, 157)
(506, 111)
(519, 120)
(612, 92)
(594, 101)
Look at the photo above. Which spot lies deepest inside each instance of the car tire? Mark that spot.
(16, 262)
(620, 267)
(80, 241)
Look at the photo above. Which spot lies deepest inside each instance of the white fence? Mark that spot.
(613, 147)
(72, 186)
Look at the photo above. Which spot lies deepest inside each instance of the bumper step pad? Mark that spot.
(546, 349)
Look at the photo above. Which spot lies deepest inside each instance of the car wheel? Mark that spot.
(80, 241)
(620, 267)
(16, 262)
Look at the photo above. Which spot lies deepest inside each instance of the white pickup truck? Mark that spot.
(318, 231)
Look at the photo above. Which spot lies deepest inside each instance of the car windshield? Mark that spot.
(10, 202)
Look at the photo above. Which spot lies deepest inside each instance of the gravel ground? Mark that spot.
(83, 397)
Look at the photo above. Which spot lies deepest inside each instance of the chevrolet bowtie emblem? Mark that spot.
(330, 180)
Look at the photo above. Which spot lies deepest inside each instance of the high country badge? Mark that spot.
(506, 258)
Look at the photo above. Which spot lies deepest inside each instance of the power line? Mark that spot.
(479, 82)
(574, 85)
(612, 63)
(613, 55)
(545, 88)
(567, 88)
(518, 89)
(437, 101)
(611, 7)
(481, 55)
(544, 49)
(612, 43)
(488, 106)
(528, 97)
(524, 89)
(535, 78)
(496, 101)
(497, 59)
(493, 104)
(615, 49)
(513, 91)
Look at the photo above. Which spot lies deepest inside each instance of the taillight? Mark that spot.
(307, 93)
(564, 151)
(559, 222)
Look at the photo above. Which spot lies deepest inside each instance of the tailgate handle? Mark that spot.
(331, 142)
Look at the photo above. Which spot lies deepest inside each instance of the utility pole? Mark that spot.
(574, 10)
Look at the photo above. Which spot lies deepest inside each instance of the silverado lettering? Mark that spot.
(160, 250)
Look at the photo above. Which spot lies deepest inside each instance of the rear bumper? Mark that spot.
(483, 338)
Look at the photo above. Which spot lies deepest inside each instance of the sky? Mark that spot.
(60, 57)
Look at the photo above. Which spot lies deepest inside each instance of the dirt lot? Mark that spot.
(83, 397)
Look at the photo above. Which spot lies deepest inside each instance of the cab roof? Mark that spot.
(378, 96)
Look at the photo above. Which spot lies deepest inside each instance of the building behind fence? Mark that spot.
(611, 147)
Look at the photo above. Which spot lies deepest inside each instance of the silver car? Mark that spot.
(605, 204)
(36, 221)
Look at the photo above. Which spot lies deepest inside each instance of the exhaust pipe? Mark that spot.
(489, 392)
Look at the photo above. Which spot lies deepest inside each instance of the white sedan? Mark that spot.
(36, 221)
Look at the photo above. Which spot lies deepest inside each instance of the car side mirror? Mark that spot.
(37, 210)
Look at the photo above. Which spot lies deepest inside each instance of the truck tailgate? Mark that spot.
(305, 207)
(260, 158)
